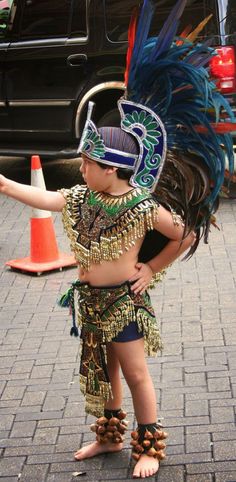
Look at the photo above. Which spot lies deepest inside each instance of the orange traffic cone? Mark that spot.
(44, 254)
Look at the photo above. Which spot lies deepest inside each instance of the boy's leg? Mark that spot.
(115, 403)
(134, 367)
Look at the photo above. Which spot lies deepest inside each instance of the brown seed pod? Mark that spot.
(157, 434)
(139, 449)
(148, 435)
(146, 444)
(113, 421)
(104, 439)
(111, 428)
(93, 427)
(109, 435)
(134, 443)
(135, 435)
(135, 456)
(121, 415)
(101, 429)
(161, 455)
(102, 420)
(121, 428)
(125, 422)
(159, 445)
(151, 452)
(164, 435)
(117, 440)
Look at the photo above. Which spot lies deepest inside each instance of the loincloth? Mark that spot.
(102, 314)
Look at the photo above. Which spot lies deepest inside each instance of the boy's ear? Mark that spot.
(111, 169)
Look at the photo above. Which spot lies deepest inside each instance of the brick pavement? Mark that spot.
(41, 409)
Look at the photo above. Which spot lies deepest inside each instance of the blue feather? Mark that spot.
(169, 29)
(171, 79)
(141, 36)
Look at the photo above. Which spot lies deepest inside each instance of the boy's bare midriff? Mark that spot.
(110, 273)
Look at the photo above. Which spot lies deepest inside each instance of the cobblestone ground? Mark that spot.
(41, 410)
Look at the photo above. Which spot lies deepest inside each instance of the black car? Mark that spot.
(55, 56)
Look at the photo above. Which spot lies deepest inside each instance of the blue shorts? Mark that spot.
(129, 333)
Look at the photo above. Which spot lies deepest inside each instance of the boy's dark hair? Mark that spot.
(116, 138)
(121, 173)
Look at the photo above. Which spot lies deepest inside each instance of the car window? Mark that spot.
(78, 26)
(45, 19)
(118, 16)
(230, 19)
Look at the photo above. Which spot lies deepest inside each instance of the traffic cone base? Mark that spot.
(26, 264)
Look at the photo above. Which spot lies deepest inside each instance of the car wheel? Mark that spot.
(111, 118)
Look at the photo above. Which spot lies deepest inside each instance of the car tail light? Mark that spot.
(222, 67)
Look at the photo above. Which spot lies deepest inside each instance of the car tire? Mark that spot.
(111, 118)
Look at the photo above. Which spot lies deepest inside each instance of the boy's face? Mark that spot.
(94, 175)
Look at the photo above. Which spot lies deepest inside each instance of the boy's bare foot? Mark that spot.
(96, 448)
(145, 467)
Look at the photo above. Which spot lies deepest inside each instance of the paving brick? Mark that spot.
(36, 473)
(11, 466)
(222, 414)
(189, 458)
(29, 450)
(172, 402)
(23, 429)
(53, 403)
(212, 467)
(11, 393)
(225, 477)
(6, 422)
(37, 416)
(171, 474)
(49, 458)
(196, 379)
(219, 427)
(224, 436)
(33, 398)
(220, 385)
(225, 450)
(45, 436)
(198, 443)
(193, 354)
(22, 366)
(200, 478)
(196, 408)
(42, 371)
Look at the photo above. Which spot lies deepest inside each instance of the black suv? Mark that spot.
(55, 56)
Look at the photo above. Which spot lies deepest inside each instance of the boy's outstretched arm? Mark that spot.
(32, 196)
(174, 248)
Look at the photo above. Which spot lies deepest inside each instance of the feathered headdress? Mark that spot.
(168, 75)
(174, 110)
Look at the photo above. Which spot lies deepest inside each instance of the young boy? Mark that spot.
(123, 277)
(167, 141)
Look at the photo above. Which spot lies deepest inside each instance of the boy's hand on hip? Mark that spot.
(142, 278)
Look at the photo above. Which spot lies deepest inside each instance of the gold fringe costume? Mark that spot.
(101, 227)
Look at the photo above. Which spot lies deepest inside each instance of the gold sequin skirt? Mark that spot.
(102, 314)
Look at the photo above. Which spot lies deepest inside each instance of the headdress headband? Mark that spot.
(146, 127)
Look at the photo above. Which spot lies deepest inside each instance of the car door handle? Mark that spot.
(76, 60)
